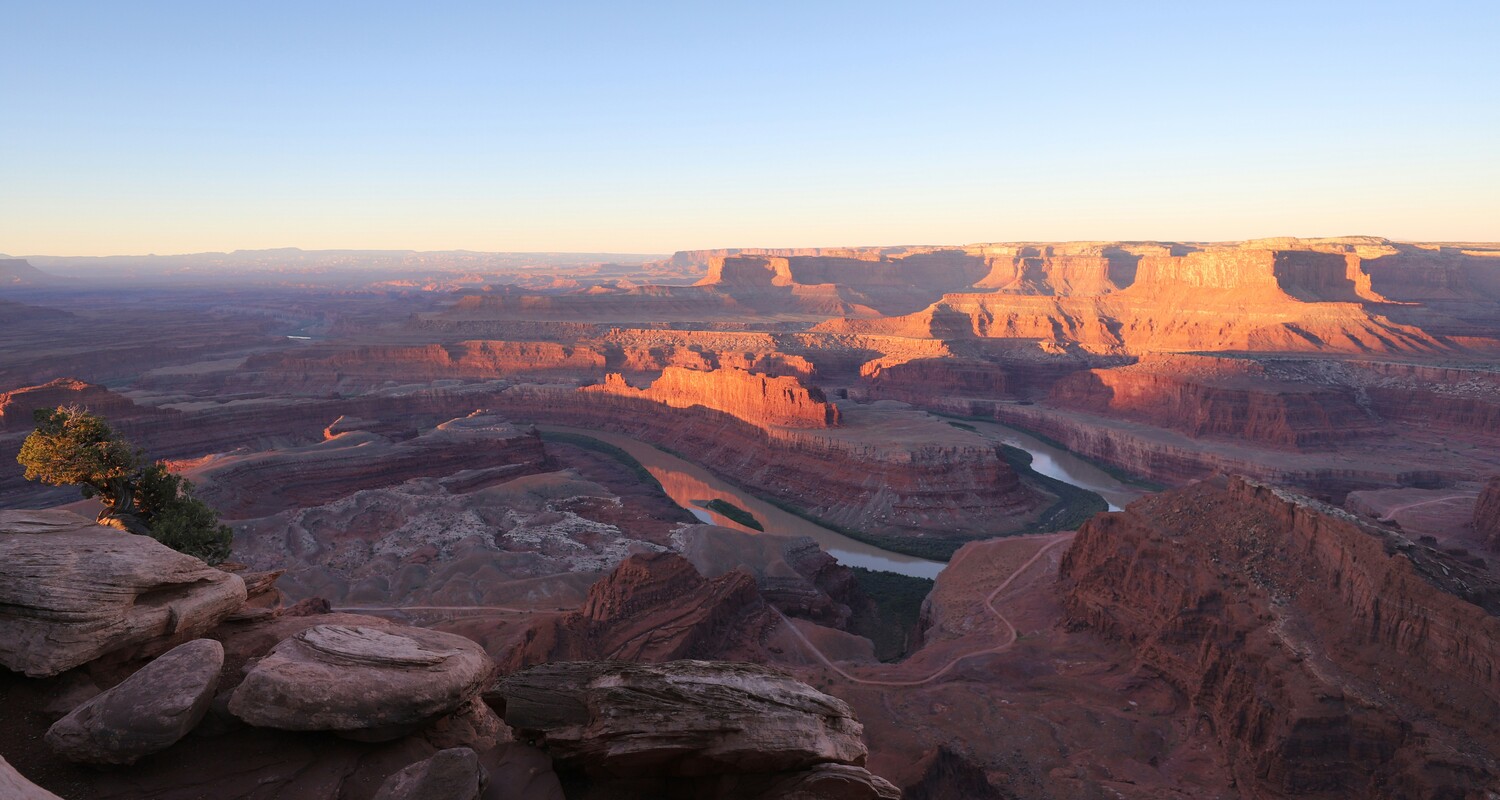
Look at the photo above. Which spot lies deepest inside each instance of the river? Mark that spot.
(692, 486)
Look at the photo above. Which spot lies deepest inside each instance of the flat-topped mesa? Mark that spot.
(761, 400)
(325, 368)
(1487, 514)
(1260, 275)
(1330, 656)
(16, 407)
(1235, 399)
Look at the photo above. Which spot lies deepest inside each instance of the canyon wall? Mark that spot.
(1173, 458)
(1332, 658)
(1230, 399)
(853, 475)
(757, 399)
(1487, 514)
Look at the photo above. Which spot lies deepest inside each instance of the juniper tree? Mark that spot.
(71, 447)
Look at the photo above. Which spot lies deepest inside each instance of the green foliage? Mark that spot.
(1075, 505)
(178, 519)
(73, 447)
(734, 512)
(189, 526)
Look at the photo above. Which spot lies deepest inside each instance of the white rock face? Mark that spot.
(72, 591)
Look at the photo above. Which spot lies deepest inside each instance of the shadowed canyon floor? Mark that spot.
(1293, 593)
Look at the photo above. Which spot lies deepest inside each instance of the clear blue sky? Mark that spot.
(133, 127)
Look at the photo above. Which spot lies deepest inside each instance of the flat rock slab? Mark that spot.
(72, 591)
(685, 718)
(367, 682)
(149, 712)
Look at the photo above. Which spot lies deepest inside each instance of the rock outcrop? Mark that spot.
(1332, 657)
(653, 607)
(248, 485)
(452, 774)
(884, 470)
(1487, 514)
(148, 712)
(367, 683)
(17, 406)
(793, 574)
(687, 719)
(760, 400)
(1225, 398)
(72, 591)
(14, 786)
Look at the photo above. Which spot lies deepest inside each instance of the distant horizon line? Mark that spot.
(374, 250)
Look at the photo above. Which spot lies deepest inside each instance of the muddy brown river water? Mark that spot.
(692, 487)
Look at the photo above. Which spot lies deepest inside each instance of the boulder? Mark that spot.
(474, 725)
(365, 682)
(147, 713)
(72, 591)
(453, 774)
(14, 786)
(687, 718)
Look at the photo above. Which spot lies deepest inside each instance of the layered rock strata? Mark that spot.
(653, 607)
(1224, 398)
(687, 719)
(1487, 514)
(366, 683)
(255, 484)
(885, 470)
(1332, 657)
(152, 709)
(760, 400)
(72, 591)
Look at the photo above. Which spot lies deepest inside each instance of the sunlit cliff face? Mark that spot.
(758, 399)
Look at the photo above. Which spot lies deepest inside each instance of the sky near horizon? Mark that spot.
(148, 127)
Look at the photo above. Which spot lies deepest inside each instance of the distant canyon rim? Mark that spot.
(1296, 596)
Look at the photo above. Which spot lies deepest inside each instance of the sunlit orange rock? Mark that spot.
(1327, 654)
(757, 399)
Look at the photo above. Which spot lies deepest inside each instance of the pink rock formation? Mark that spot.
(653, 607)
(1328, 655)
(760, 400)
(1487, 514)
(1227, 398)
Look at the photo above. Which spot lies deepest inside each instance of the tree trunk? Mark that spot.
(119, 510)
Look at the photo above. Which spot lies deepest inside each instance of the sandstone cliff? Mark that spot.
(1227, 398)
(653, 607)
(1332, 658)
(760, 400)
(1487, 514)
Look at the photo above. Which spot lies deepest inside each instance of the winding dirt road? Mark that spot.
(989, 604)
(1391, 513)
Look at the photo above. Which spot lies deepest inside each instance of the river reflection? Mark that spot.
(691, 486)
(1057, 463)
